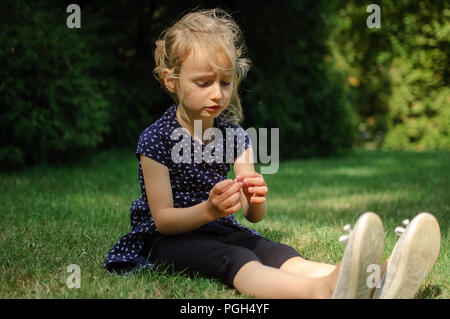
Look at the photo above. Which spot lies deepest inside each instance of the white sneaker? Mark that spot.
(364, 248)
(411, 260)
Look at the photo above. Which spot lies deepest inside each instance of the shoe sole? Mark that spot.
(412, 259)
(364, 248)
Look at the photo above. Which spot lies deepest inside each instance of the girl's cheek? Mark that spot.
(228, 96)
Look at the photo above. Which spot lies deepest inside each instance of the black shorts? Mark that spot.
(216, 253)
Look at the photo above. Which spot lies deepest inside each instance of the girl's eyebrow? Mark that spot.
(202, 75)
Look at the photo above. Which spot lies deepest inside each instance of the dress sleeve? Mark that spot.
(150, 144)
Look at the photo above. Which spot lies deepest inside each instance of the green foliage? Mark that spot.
(67, 91)
(292, 86)
(52, 106)
(420, 114)
(398, 74)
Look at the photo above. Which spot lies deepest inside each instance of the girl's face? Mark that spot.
(200, 87)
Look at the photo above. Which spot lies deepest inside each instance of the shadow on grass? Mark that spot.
(319, 194)
(393, 184)
(429, 292)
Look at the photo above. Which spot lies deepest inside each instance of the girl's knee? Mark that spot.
(244, 274)
(293, 263)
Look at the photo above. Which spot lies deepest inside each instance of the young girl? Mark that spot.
(184, 217)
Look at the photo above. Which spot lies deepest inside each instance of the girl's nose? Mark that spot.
(217, 92)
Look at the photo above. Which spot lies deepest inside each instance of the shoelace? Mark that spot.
(400, 230)
(347, 228)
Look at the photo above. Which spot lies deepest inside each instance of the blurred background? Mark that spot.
(320, 74)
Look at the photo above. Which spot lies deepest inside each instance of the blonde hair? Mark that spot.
(211, 30)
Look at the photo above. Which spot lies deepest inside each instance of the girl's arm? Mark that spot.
(253, 193)
(169, 220)
(172, 221)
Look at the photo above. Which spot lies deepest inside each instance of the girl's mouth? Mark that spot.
(213, 108)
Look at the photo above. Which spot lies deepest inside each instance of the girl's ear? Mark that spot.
(168, 81)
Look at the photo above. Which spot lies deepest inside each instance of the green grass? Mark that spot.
(73, 214)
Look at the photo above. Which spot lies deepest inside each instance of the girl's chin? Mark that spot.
(212, 113)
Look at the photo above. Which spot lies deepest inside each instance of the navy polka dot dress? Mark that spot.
(191, 182)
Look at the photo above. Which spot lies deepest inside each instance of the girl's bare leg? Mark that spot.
(260, 281)
(382, 270)
(307, 268)
(303, 267)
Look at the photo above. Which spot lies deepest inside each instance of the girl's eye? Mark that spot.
(203, 84)
(208, 83)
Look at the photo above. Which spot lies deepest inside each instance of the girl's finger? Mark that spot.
(260, 190)
(248, 175)
(258, 181)
(221, 186)
(235, 187)
(231, 200)
(257, 200)
(235, 208)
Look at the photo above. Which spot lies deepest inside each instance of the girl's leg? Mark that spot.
(300, 266)
(307, 268)
(382, 271)
(260, 281)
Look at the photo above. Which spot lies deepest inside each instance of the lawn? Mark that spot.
(52, 217)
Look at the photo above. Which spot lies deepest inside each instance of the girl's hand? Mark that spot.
(224, 198)
(254, 188)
